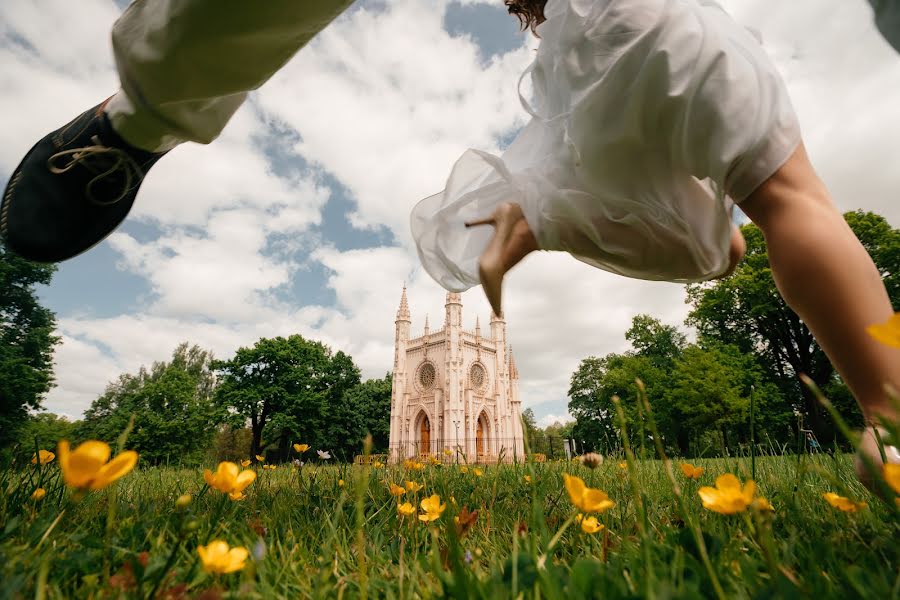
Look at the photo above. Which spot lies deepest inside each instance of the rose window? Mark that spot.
(477, 376)
(427, 376)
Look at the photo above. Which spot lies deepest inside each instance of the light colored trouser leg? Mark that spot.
(186, 66)
(887, 17)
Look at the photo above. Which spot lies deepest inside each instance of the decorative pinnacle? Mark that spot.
(454, 298)
(427, 329)
(513, 371)
(403, 311)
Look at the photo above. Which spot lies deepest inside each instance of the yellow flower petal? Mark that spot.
(84, 462)
(118, 467)
(887, 333)
(843, 504)
(590, 525)
(44, 456)
(244, 479)
(218, 558)
(235, 560)
(892, 476)
(728, 497)
(575, 487)
(728, 481)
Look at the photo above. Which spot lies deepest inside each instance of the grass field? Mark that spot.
(334, 531)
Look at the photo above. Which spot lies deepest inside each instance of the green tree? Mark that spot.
(370, 403)
(537, 441)
(746, 310)
(661, 344)
(45, 430)
(172, 404)
(26, 343)
(290, 390)
(593, 387)
(709, 389)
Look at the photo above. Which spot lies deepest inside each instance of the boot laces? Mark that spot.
(103, 162)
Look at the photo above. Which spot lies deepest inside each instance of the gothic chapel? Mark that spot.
(455, 392)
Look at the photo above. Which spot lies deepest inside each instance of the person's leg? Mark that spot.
(185, 68)
(887, 18)
(827, 277)
(736, 250)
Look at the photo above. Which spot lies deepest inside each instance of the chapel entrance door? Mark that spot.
(479, 439)
(425, 436)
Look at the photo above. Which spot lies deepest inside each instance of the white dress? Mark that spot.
(647, 113)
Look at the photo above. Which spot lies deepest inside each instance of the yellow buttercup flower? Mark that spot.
(584, 498)
(301, 448)
(245, 463)
(217, 557)
(44, 456)
(477, 472)
(396, 490)
(38, 494)
(88, 466)
(464, 469)
(377, 464)
(340, 483)
(228, 478)
(590, 524)
(237, 496)
(432, 507)
(728, 497)
(892, 476)
(412, 487)
(413, 465)
(887, 333)
(448, 452)
(690, 471)
(260, 458)
(527, 478)
(623, 465)
(761, 504)
(843, 504)
(406, 509)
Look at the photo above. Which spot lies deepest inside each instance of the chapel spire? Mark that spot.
(403, 311)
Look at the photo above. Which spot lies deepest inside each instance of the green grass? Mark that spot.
(314, 538)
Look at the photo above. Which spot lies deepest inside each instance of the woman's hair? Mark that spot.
(529, 12)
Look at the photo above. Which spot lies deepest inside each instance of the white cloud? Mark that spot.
(553, 419)
(387, 114)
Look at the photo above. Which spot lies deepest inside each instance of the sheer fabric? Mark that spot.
(650, 116)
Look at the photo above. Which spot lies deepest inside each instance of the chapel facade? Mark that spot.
(455, 392)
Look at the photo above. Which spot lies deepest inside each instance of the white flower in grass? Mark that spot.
(324, 454)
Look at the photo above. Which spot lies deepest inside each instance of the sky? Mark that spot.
(296, 219)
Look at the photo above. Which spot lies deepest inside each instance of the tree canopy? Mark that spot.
(172, 405)
(289, 390)
(26, 343)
